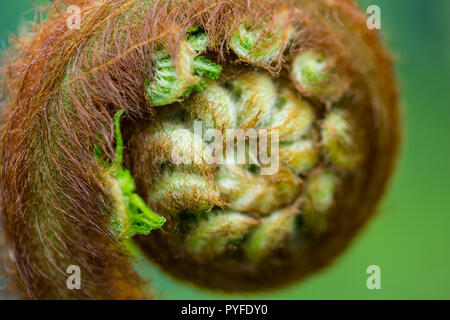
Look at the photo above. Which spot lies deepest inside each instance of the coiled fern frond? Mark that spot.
(100, 150)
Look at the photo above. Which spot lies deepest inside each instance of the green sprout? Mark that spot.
(197, 38)
(171, 84)
(261, 45)
(207, 68)
(133, 216)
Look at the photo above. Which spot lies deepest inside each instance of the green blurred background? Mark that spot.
(410, 238)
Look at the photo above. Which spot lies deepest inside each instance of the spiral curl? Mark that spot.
(92, 117)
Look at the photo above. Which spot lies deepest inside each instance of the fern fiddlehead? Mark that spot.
(100, 144)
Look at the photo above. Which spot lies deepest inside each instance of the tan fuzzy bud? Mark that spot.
(300, 156)
(279, 190)
(171, 142)
(240, 188)
(211, 237)
(338, 139)
(257, 97)
(293, 117)
(314, 75)
(271, 234)
(177, 191)
(320, 196)
(261, 45)
(214, 107)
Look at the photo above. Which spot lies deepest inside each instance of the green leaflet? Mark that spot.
(203, 67)
(207, 68)
(199, 87)
(166, 87)
(132, 215)
(197, 38)
(171, 84)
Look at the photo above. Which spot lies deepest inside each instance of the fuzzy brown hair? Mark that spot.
(61, 89)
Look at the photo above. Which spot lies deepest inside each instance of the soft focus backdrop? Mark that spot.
(410, 238)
